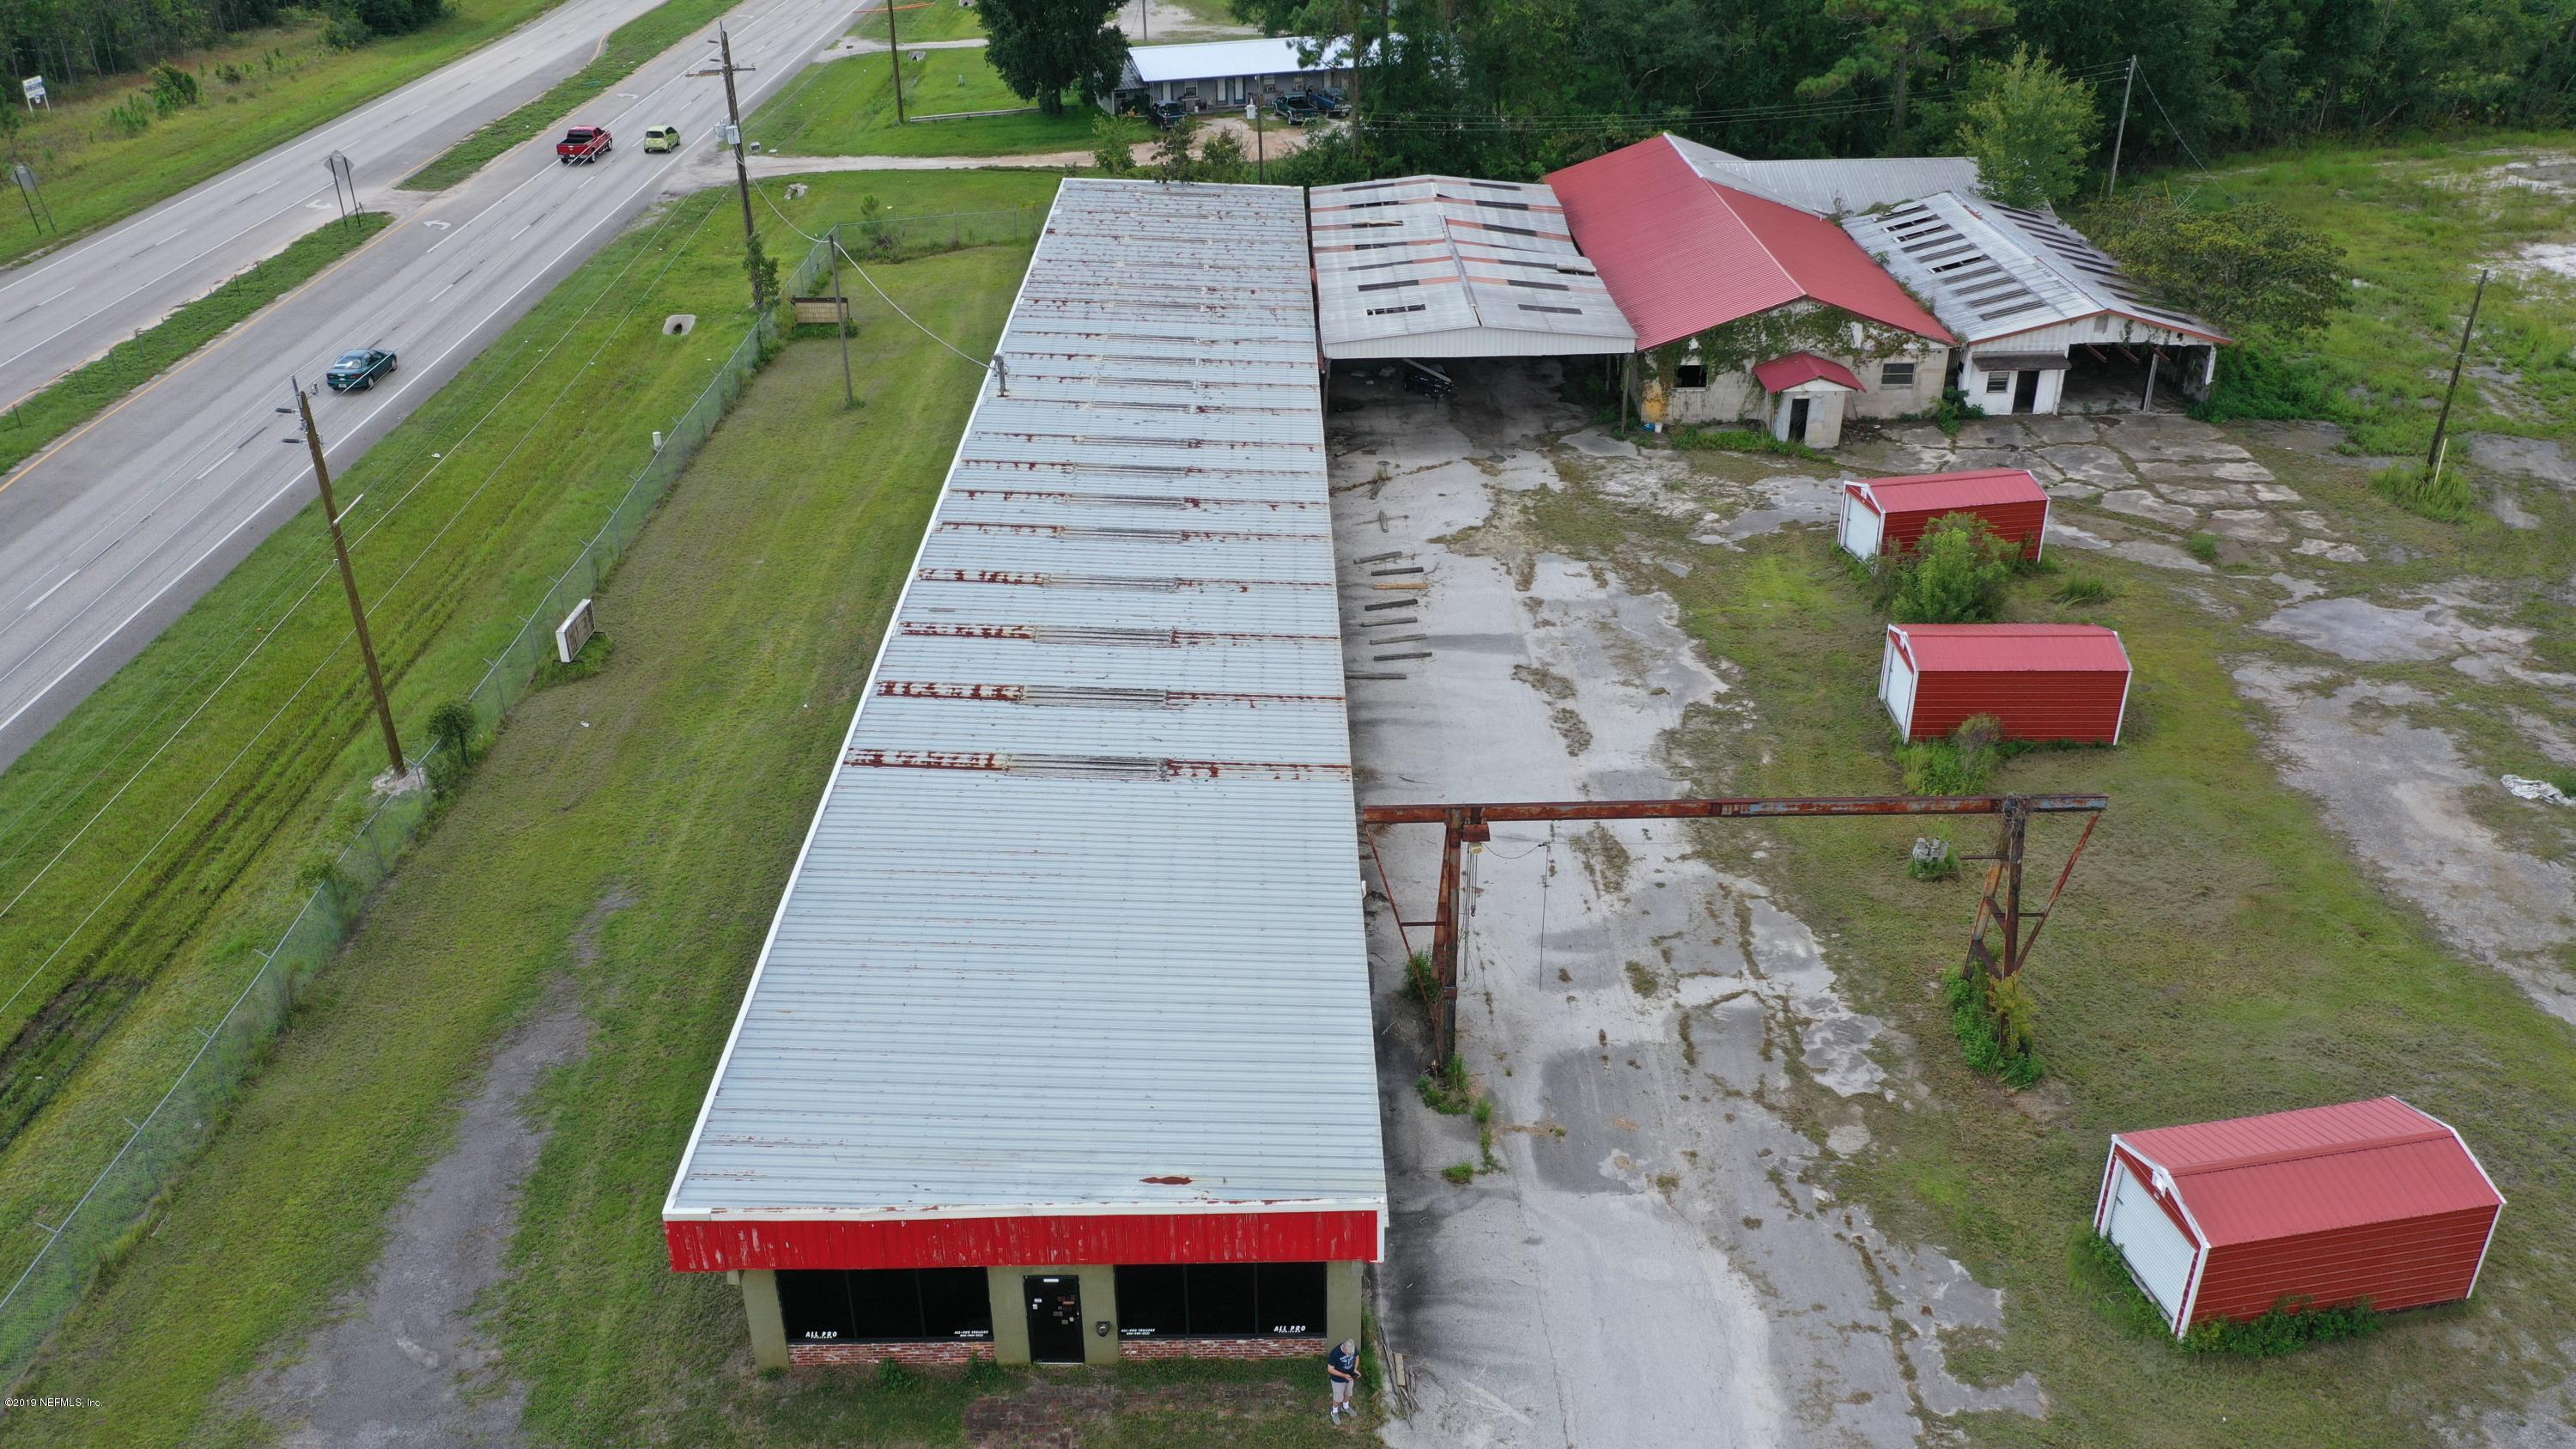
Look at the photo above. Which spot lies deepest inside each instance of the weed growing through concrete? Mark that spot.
(2449, 498)
(1742, 440)
(1461, 1173)
(2203, 546)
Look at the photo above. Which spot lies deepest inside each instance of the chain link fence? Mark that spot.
(112, 1212)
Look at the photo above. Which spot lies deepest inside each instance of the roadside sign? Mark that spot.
(24, 175)
(34, 87)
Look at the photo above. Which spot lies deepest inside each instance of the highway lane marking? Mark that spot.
(49, 593)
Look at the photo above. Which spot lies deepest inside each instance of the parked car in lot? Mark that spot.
(1329, 102)
(358, 369)
(1295, 109)
(1164, 115)
(662, 138)
(584, 144)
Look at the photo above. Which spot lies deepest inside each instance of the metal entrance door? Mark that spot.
(1055, 1318)
(2025, 391)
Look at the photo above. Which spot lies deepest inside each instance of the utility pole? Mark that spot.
(841, 319)
(349, 581)
(2442, 424)
(1260, 147)
(2113, 183)
(894, 62)
(733, 113)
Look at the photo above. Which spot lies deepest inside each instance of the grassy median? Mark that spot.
(629, 46)
(258, 90)
(39, 418)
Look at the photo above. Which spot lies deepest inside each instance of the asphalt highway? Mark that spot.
(113, 532)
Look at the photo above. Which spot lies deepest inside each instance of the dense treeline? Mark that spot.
(1512, 87)
(70, 40)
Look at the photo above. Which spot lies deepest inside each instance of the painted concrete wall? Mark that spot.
(1737, 397)
(768, 1329)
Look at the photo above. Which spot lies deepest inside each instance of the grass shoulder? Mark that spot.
(846, 107)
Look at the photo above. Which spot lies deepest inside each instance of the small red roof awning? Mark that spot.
(1993, 648)
(2316, 1169)
(1941, 492)
(1783, 373)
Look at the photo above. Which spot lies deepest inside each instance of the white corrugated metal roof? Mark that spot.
(1218, 59)
(1455, 268)
(1990, 270)
(1081, 906)
(1833, 185)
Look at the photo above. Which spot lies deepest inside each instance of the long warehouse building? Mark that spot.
(1059, 1048)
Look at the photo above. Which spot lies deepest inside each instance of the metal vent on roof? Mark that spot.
(1092, 696)
(1391, 311)
(1542, 286)
(1389, 286)
(1566, 311)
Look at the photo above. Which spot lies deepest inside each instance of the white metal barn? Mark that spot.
(1442, 267)
(2047, 321)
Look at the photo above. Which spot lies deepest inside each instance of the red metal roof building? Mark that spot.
(2325, 1206)
(1682, 252)
(1889, 515)
(2043, 681)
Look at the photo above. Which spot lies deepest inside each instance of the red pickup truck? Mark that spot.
(582, 143)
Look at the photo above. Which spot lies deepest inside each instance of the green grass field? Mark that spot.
(36, 420)
(153, 842)
(922, 20)
(2220, 952)
(2417, 221)
(743, 624)
(94, 174)
(846, 108)
(629, 46)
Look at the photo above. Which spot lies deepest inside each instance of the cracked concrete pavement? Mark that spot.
(1654, 1263)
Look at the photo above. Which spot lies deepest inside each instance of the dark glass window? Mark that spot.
(1153, 1302)
(1221, 1302)
(1291, 1296)
(956, 1303)
(884, 1305)
(1691, 374)
(815, 1304)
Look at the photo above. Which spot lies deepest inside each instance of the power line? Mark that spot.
(1767, 111)
(834, 243)
(2169, 123)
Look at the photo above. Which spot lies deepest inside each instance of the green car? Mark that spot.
(358, 369)
(662, 138)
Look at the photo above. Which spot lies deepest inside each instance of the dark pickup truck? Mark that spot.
(583, 143)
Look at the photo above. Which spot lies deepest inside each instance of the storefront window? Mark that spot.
(1222, 1300)
(884, 1305)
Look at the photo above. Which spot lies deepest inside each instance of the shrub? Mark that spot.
(131, 116)
(1984, 1039)
(983, 1375)
(1742, 440)
(1450, 1092)
(2256, 382)
(2446, 499)
(1113, 145)
(451, 728)
(1958, 765)
(2083, 589)
(2203, 546)
(896, 1376)
(2291, 1324)
(1956, 574)
(1948, 414)
(170, 88)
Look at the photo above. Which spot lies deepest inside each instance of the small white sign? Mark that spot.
(1251, 111)
(34, 87)
(574, 632)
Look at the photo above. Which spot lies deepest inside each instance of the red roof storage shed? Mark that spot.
(2044, 681)
(1889, 515)
(2329, 1205)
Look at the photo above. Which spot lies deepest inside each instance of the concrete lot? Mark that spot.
(1652, 1264)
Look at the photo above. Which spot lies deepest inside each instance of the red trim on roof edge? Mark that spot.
(709, 1245)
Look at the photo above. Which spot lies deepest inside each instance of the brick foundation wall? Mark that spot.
(944, 1354)
(1314, 1348)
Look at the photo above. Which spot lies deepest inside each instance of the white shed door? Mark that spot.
(2157, 1251)
(1860, 528)
(1896, 687)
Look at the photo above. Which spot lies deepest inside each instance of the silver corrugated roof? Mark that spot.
(1456, 268)
(1080, 909)
(1990, 270)
(1219, 59)
(1833, 185)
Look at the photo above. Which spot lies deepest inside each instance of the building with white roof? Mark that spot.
(1220, 74)
(2037, 308)
(1441, 267)
(1834, 186)
(1059, 1048)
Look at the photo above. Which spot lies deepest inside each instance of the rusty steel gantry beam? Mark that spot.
(1466, 826)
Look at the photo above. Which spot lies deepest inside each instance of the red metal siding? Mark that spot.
(2026, 523)
(712, 1245)
(2083, 706)
(2399, 1264)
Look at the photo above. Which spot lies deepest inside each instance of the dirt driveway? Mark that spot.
(1651, 1264)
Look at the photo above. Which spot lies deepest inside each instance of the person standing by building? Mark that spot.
(1342, 1366)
